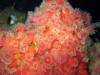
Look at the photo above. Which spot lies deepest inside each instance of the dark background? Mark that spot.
(91, 6)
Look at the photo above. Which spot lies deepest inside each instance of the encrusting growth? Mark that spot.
(51, 42)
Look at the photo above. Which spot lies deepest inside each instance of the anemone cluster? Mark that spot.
(51, 42)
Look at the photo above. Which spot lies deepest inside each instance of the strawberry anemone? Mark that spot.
(51, 42)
